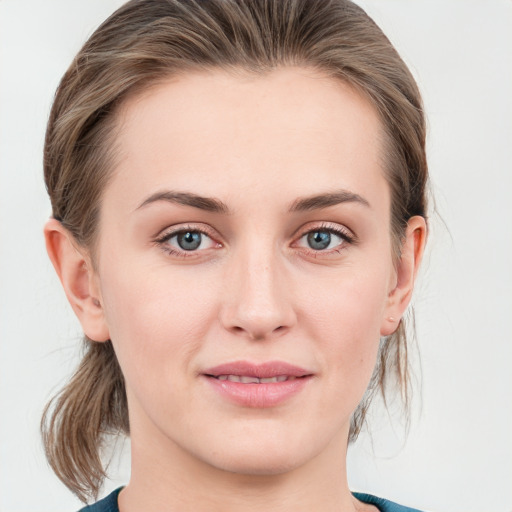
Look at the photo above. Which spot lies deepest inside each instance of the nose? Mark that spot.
(258, 295)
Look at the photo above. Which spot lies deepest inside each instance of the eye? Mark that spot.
(183, 242)
(325, 239)
(190, 240)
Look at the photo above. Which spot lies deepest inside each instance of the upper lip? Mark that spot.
(260, 370)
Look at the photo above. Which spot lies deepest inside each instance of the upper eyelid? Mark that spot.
(333, 227)
(171, 231)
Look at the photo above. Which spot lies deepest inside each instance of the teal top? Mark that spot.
(109, 504)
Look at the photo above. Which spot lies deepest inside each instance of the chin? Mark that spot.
(260, 464)
(264, 453)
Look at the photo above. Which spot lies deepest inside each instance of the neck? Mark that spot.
(173, 480)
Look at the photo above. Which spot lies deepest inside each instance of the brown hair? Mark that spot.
(146, 41)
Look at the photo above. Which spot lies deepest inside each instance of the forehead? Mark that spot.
(289, 129)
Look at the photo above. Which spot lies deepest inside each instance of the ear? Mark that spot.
(407, 268)
(80, 282)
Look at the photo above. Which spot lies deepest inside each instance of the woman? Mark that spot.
(238, 194)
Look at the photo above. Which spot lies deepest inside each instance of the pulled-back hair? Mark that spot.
(147, 41)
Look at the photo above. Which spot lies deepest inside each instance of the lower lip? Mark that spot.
(261, 395)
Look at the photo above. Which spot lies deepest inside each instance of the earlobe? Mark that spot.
(406, 271)
(78, 279)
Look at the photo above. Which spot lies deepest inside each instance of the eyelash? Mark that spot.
(347, 237)
(163, 241)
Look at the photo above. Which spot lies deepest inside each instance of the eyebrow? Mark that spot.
(208, 204)
(320, 201)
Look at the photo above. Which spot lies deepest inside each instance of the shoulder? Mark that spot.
(382, 504)
(107, 504)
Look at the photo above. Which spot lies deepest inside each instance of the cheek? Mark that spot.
(155, 318)
(346, 323)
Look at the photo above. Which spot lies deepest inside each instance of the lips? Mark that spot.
(246, 379)
(257, 385)
(267, 370)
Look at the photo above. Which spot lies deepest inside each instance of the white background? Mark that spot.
(458, 456)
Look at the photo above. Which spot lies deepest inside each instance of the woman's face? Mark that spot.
(245, 236)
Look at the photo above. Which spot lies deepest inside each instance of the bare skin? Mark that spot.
(289, 259)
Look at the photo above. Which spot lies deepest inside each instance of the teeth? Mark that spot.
(245, 379)
(249, 380)
(279, 378)
(271, 379)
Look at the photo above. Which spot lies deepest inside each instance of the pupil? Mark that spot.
(189, 240)
(319, 240)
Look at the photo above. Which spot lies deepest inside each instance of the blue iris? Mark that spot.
(319, 240)
(189, 240)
